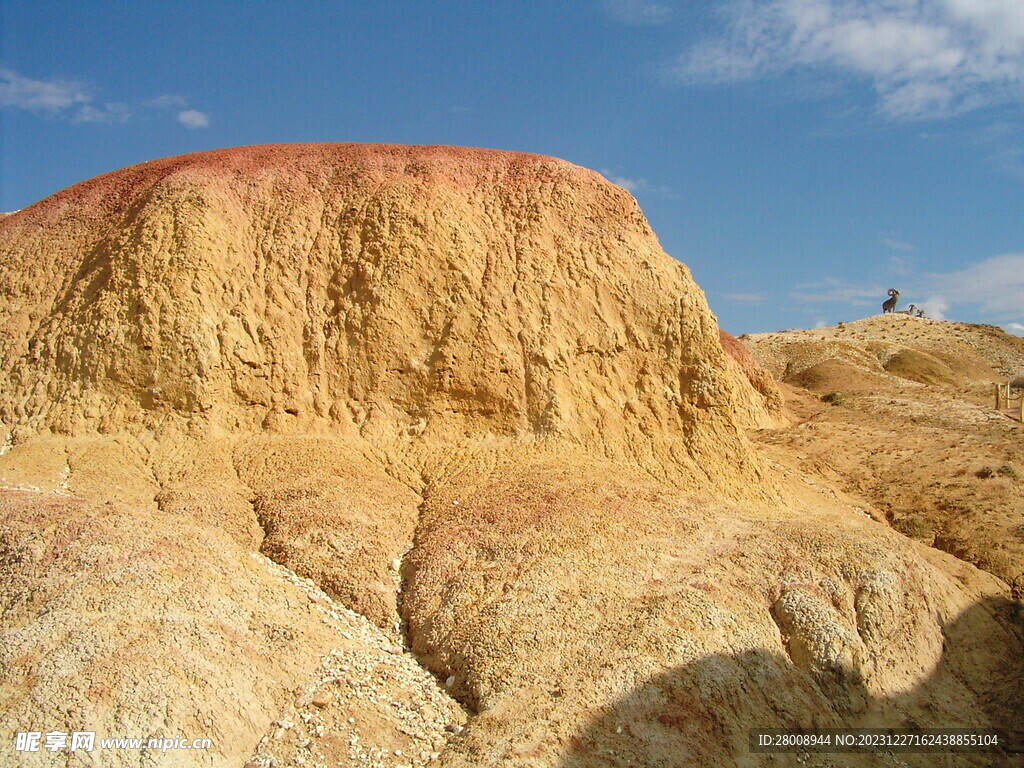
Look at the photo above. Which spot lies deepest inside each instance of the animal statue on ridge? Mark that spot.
(889, 305)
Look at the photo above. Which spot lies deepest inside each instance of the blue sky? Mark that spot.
(801, 156)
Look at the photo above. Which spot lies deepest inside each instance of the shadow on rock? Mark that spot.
(701, 714)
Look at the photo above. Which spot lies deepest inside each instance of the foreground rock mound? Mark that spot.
(402, 456)
(392, 290)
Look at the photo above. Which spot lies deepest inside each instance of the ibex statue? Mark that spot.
(890, 304)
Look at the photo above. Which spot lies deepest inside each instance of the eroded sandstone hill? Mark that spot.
(430, 291)
(901, 412)
(376, 455)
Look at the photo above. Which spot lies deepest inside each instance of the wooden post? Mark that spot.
(999, 391)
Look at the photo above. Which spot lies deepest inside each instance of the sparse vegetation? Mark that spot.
(833, 398)
(1003, 470)
(915, 528)
(1008, 470)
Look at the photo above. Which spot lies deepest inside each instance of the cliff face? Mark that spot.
(400, 291)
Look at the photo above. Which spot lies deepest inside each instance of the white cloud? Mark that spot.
(897, 245)
(630, 185)
(901, 259)
(51, 96)
(900, 264)
(1015, 328)
(750, 299)
(993, 288)
(936, 307)
(1002, 142)
(114, 112)
(167, 101)
(65, 99)
(831, 290)
(192, 118)
(923, 59)
(639, 12)
(72, 101)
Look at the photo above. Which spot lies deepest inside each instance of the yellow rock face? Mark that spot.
(467, 395)
(397, 292)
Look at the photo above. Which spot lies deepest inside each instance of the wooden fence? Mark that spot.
(1008, 397)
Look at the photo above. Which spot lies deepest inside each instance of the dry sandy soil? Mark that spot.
(357, 455)
(899, 412)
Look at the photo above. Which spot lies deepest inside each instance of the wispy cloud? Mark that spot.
(993, 288)
(1004, 146)
(897, 245)
(40, 95)
(167, 101)
(75, 102)
(833, 291)
(193, 118)
(112, 112)
(639, 12)
(936, 307)
(749, 299)
(901, 258)
(630, 185)
(64, 99)
(922, 59)
(190, 118)
(1015, 328)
